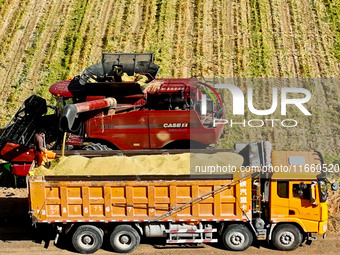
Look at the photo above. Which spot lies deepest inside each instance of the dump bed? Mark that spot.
(72, 199)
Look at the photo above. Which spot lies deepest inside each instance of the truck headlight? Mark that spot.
(324, 227)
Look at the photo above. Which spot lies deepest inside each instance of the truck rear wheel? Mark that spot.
(237, 238)
(287, 237)
(87, 239)
(124, 239)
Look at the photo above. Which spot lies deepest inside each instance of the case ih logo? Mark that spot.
(239, 105)
(176, 125)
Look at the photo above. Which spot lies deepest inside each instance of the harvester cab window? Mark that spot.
(301, 190)
(282, 189)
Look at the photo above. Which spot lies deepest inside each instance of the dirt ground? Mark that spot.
(17, 236)
(18, 239)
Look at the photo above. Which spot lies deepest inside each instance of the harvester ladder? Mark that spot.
(199, 199)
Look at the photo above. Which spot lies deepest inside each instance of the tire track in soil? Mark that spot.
(238, 65)
(116, 27)
(97, 43)
(188, 39)
(196, 40)
(21, 41)
(269, 47)
(11, 15)
(322, 32)
(35, 73)
(217, 60)
(285, 37)
(53, 63)
(26, 87)
(292, 32)
(149, 29)
(227, 34)
(183, 39)
(111, 35)
(144, 26)
(207, 44)
(124, 27)
(85, 27)
(247, 41)
(8, 34)
(132, 21)
(72, 39)
(165, 36)
(276, 32)
(137, 24)
(178, 40)
(310, 40)
(306, 56)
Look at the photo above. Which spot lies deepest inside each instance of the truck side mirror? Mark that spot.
(313, 193)
(334, 186)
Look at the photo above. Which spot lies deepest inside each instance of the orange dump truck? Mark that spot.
(235, 208)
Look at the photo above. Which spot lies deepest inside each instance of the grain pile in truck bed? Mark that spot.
(176, 164)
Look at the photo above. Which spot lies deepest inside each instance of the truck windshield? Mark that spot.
(323, 190)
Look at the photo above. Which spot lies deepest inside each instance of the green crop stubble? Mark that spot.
(114, 31)
(52, 67)
(261, 53)
(13, 26)
(61, 52)
(72, 37)
(333, 14)
(2, 3)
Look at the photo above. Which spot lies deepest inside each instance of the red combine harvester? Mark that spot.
(118, 105)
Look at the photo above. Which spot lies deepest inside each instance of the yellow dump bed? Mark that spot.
(58, 199)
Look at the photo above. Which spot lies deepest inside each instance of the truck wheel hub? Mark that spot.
(124, 239)
(287, 238)
(87, 240)
(237, 238)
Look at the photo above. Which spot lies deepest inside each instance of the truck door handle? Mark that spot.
(291, 212)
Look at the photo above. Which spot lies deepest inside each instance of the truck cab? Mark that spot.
(298, 196)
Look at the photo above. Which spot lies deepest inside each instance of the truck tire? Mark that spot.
(124, 239)
(287, 237)
(87, 239)
(237, 237)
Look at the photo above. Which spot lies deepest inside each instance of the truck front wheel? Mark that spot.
(87, 239)
(237, 238)
(287, 237)
(124, 239)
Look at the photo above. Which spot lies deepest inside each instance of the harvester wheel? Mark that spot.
(237, 237)
(287, 237)
(87, 239)
(124, 239)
